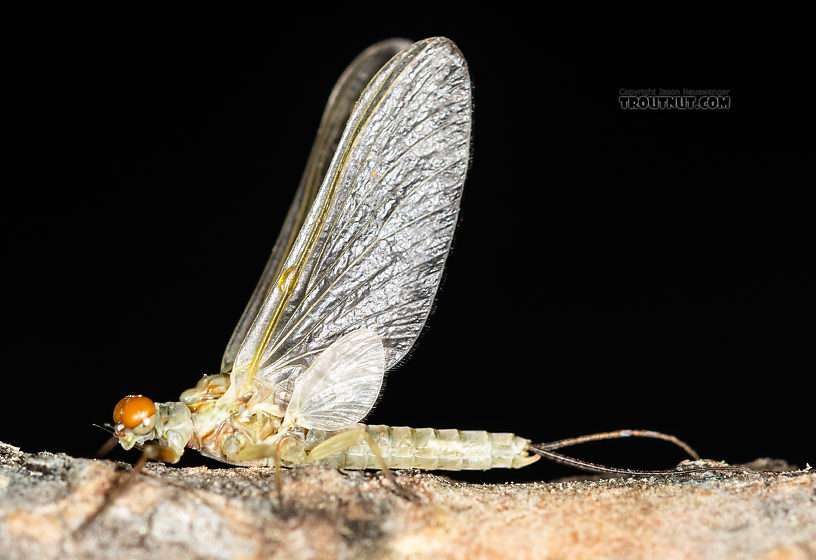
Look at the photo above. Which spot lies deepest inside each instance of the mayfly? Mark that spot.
(346, 291)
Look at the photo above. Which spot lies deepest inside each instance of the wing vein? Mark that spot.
(357, 286)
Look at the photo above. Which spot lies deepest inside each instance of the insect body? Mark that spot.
(347, 289)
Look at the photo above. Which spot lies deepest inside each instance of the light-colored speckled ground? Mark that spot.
(234, 513)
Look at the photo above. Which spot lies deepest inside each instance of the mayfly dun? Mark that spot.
(346, 291)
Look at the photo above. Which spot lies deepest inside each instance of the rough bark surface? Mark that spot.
(47, 499)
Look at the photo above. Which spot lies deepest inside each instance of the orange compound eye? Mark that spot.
(133, 410)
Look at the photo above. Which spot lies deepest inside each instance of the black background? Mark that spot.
(611, 268)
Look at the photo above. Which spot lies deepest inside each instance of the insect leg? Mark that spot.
(342, 441)
(107, 447)
(336, 444)
(250, 453)
(255, 453)
(278, 478)
(123, 482)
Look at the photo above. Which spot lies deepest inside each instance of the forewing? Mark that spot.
(341, 102)
(341, 385)
(372, 249)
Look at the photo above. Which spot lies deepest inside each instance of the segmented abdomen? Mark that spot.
(430, 449)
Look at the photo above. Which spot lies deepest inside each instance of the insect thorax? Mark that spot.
(224, 424)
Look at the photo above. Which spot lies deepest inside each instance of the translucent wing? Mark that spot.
(341, 385)
(371, 251)
(341, 101)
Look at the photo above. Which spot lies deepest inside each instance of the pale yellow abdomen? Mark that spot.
(430, 449)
